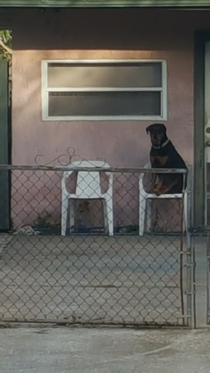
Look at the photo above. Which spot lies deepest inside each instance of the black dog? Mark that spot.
(164, 155)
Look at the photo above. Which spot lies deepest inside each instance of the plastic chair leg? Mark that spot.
(106, 225)
(148, 213)
(109, 215)
(142, 211)
(64, 213)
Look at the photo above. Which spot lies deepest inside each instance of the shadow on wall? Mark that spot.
(88, 28)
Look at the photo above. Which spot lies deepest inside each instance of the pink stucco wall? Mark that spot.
(96, 34)
(100, 34)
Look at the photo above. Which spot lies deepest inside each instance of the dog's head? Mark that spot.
(157, 133)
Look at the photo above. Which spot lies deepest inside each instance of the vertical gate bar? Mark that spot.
(208, 278)
(189, 265)
(181, 262)
(193, 283)
(189, 276)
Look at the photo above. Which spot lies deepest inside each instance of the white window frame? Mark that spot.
(46, 90)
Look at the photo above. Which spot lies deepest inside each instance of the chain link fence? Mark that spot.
(84, 247)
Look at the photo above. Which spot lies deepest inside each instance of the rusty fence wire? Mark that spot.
(84, 247)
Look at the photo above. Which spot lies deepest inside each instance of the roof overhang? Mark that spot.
(193, 4)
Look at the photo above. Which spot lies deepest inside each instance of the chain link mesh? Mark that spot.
(102, 269)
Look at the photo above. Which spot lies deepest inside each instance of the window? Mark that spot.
(104, 89)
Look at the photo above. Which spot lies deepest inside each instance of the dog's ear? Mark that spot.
(148, 129)
(163, 127)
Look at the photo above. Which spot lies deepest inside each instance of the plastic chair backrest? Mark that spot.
(88, 182)
(189, 175)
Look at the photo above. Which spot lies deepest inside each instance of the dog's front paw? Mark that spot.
(150, 188)
(157, 192)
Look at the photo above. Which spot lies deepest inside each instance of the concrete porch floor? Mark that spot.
(99, 350)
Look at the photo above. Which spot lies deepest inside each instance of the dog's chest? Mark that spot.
(158, 157)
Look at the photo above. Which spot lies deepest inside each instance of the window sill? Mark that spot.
(103, 118)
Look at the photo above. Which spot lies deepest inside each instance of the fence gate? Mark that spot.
(112, 263)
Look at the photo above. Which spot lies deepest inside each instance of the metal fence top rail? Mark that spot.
(92, 169)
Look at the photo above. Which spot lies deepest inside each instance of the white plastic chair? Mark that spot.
(88, 186)
(144, 196)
